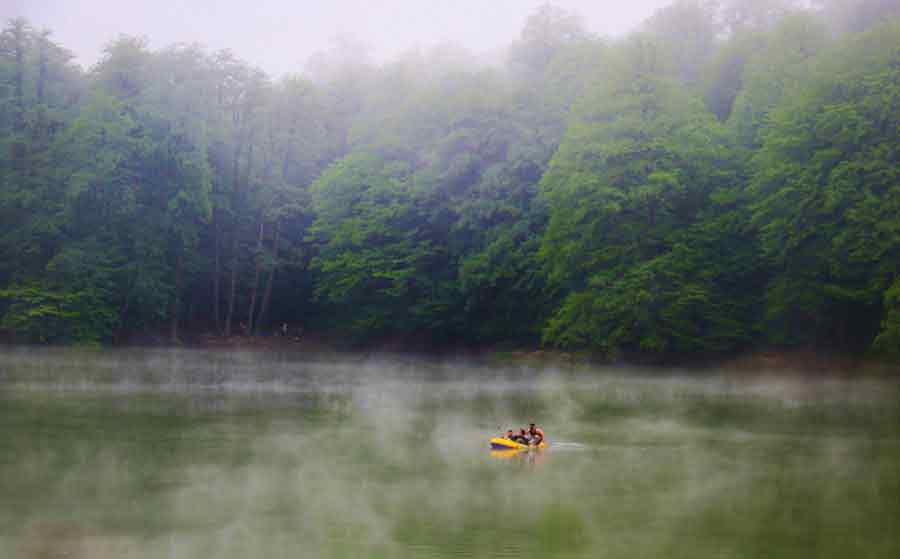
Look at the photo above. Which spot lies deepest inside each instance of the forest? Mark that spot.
(724, 177)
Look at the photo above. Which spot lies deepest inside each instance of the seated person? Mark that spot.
(521, 438)
(509, 434)
(535, 434)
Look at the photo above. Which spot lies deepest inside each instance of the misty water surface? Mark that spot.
(182, 454)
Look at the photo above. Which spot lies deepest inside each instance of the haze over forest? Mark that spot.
(722, 177)
(281, 36)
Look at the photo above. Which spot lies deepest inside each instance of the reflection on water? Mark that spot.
(182, 454)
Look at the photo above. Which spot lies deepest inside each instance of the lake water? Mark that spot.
(204, 454)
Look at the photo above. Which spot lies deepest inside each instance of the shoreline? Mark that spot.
(800, 360)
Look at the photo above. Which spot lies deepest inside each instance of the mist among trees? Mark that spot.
(727, 176)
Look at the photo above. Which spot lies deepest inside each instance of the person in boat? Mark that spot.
(535, 435)
(521, 438)
(509, 434)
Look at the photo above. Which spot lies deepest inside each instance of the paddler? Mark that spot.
(522, 437)
(535, 434)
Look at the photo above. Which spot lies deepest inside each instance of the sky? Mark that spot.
(281, 35)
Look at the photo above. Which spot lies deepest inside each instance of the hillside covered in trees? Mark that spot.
(725, 177)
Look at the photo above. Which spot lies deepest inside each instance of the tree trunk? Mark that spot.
(264, 307)
(254, 289)
(235, 226)
(19, 35)
(19, 30)
(217, 272)
(42, 66)
(41, 129)
(232, 290)
(126, 306)
(176, 299)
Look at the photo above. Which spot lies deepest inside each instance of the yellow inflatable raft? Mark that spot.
(501, 443)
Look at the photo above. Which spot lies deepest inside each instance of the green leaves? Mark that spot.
(626, 248)
(888, 340)
(370, 250)
(42, 312)
(826, 193)
(721, 178)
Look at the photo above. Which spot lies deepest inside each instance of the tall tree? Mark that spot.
(686, 31)
(825, 196)
(780, 64)
(626, 191)
(370, 252)
(548, 31)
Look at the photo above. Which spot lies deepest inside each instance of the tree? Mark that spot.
(578, 193)
(30, 120)
(888, 339)
(742, 15)
(548, 31)
(626, 191)
(686, 31)
(370, 250)
(780, 64)
(79, 264)
(825, 193)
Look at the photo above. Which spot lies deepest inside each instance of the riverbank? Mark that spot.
(800, 360)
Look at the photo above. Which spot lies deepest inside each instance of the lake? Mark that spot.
(155, 453)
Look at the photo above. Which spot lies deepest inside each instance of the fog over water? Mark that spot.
(193, 453)
(651, 198)
(280, 36)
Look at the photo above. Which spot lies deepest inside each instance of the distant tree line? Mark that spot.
(726, 176)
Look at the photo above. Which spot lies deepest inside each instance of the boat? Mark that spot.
(502, 443)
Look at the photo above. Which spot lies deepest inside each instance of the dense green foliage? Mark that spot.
(726, 176)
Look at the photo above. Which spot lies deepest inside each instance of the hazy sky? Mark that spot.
(280, 35)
